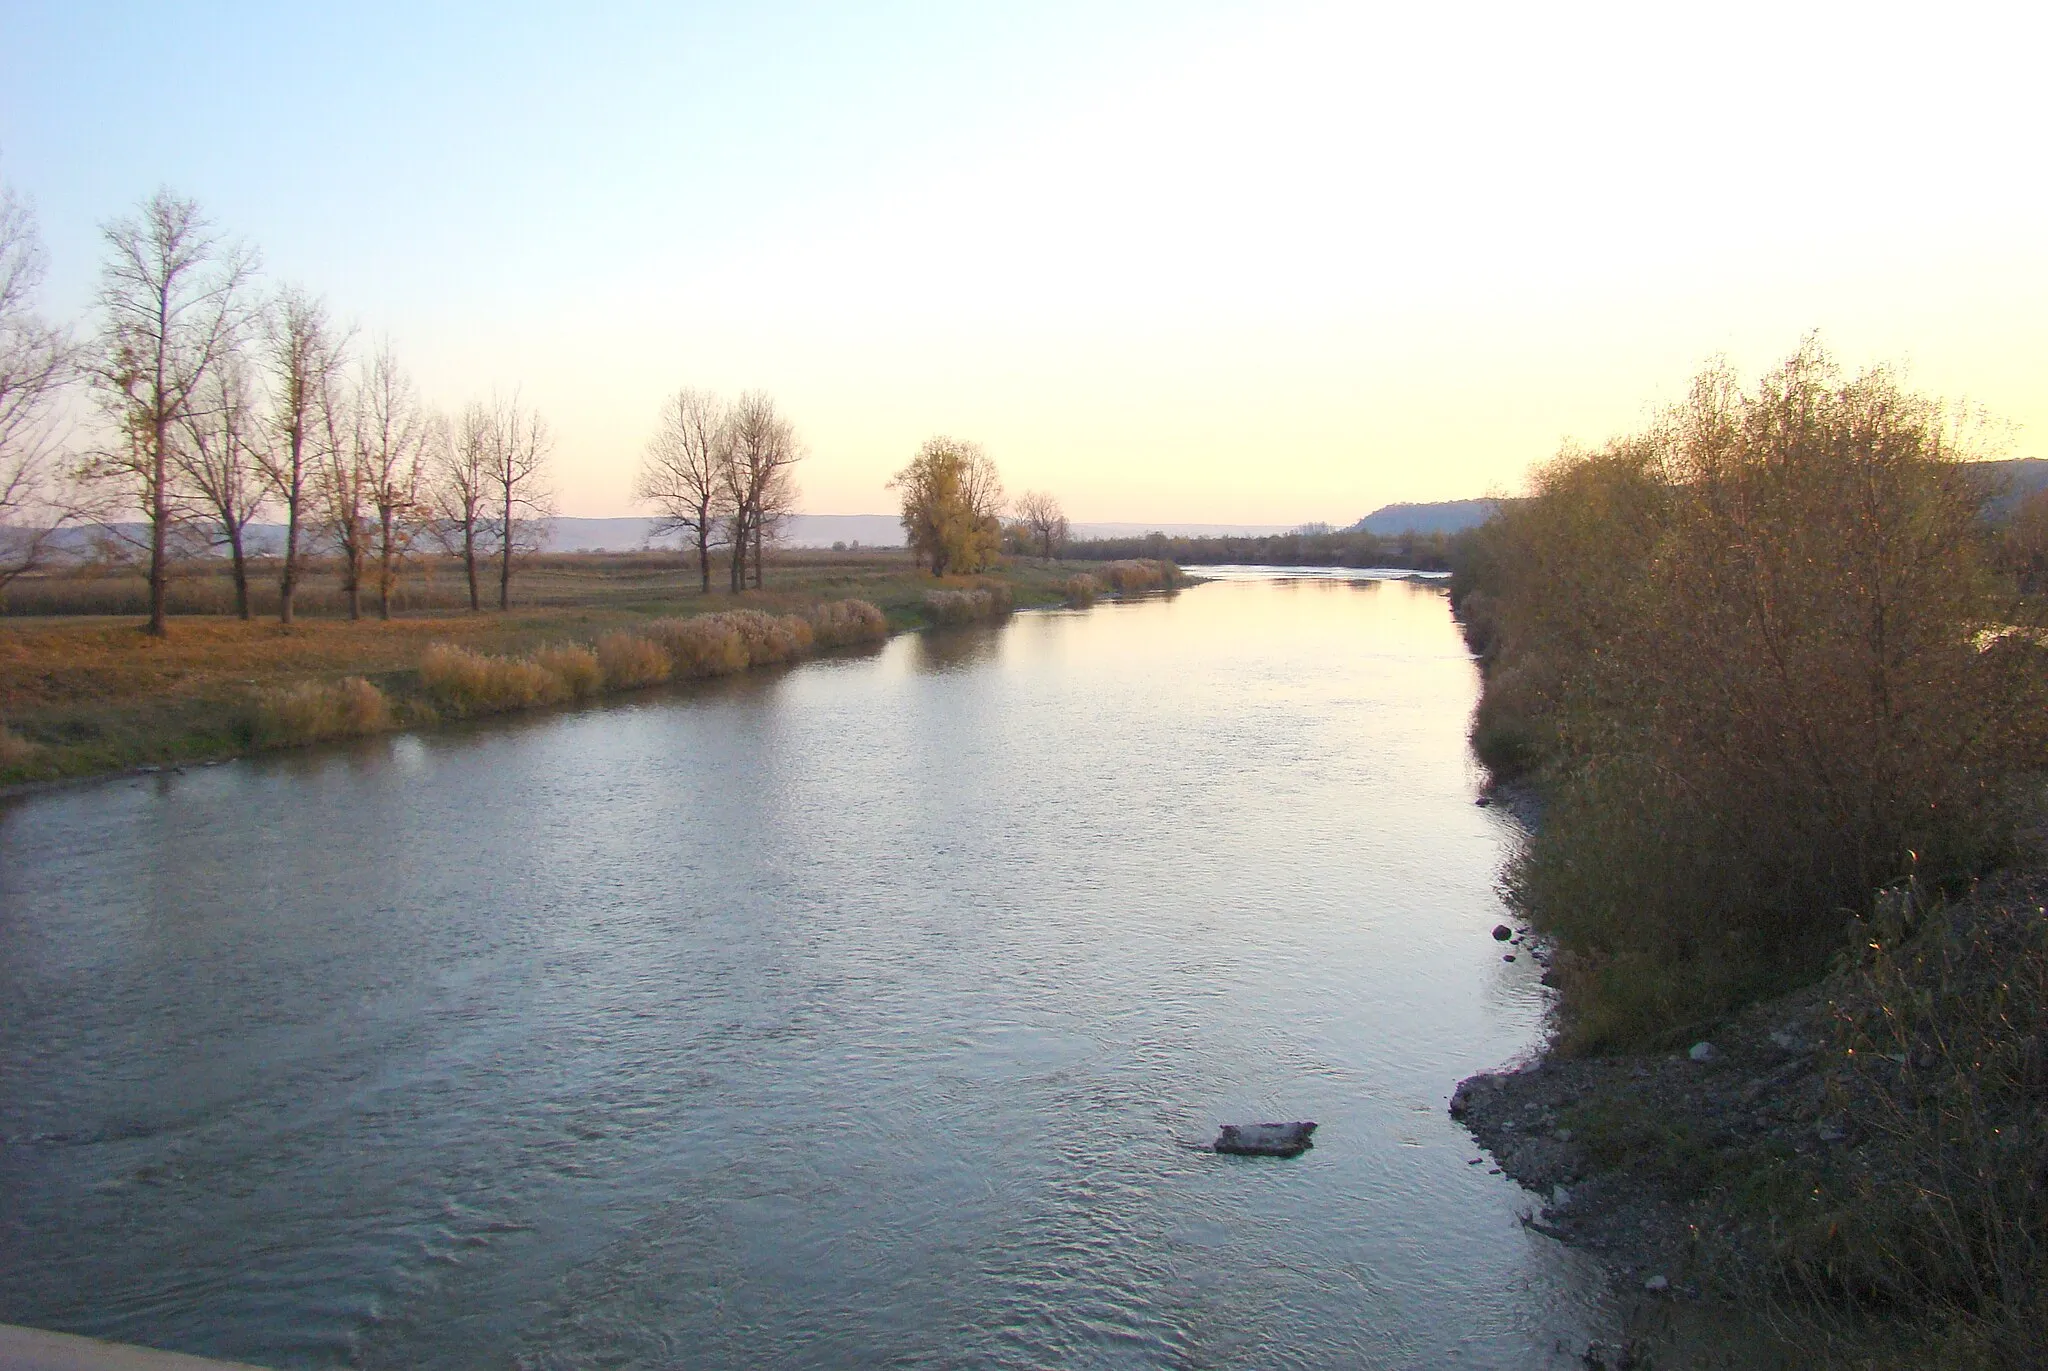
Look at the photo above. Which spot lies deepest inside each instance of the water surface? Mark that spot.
(852, 1016)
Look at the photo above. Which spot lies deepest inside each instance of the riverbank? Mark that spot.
(1859, 1160)
(85, 695)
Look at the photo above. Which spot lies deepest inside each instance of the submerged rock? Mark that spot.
(1265, 1139)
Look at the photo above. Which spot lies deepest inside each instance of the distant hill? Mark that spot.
(1444, 516)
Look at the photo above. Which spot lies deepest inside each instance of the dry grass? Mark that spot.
(979, 605)
(466, 684)
(847, 623)
(630, 662)
(317, 711)
(1127, 578)
(577, 668)
(92, 694)
(1081, 590)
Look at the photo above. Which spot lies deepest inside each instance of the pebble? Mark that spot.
(1657, 1285)
(1703, 1052)
(1501, 933)
(1509, 957)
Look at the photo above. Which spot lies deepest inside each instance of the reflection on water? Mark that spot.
(851, 1016)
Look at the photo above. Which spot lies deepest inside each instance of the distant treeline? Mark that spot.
(1348, 547)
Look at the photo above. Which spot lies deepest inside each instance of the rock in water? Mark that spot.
(1265, 1139)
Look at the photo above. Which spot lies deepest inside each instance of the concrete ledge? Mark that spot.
(31, 1349)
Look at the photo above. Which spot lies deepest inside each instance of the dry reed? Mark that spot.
(630, 662)
(316, 711)
(847, 623)
(466, 683)
(577, 668)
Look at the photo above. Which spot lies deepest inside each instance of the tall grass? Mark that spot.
(466, 684)
(847, 623)
(577, 668)
(1081, 590)
(630, 662)
(1131, 577)
(949, 607)
(316, 711)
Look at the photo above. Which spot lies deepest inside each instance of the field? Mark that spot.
(84, 690)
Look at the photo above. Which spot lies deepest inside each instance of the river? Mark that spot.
(856, 1015)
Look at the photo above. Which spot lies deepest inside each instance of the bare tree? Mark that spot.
(217, 462)
(393, 434)
(684, 472)
(173, 306)
(342, 483)
(520, 498)
(759, 480)
(459, 492)
(1044, 520)
(303, 354)
(36, 362)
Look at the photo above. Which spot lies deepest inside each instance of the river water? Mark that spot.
(851, 1016)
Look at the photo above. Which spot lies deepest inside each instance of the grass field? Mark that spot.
(84, 690)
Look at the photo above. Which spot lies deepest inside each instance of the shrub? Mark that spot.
(1081, 589)
(1746, 651)
(844, 623)
(314, 711)
(575, 667)
(629, 662)
(469, 683)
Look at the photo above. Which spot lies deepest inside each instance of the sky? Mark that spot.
(1180, 261)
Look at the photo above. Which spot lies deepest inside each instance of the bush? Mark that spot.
(629, 662)
(1081, 590)
(846, 623)
(315, 711)
(1745, 652)
(468, 683)
(575, 667)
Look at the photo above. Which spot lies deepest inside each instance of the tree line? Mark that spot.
(217, 401)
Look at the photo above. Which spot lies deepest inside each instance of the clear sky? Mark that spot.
(1171, 261)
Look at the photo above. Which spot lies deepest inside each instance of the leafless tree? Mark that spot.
(173, 304)
(303, 356)
(217, 464)
(459, 494)
(684, 473)
(392, 432)
(520, 499)
(341, 481)
(36, 362)
(759, 479)
(1044, 519)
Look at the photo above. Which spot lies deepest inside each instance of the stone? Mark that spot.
(1509, 957)
(1703, 1052)
(1265, 1139)
(1657, 1285)
(1501, 933)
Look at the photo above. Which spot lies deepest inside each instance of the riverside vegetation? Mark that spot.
(83, 692)
(1781, 698)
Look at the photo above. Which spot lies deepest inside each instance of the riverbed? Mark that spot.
(866, 1013)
